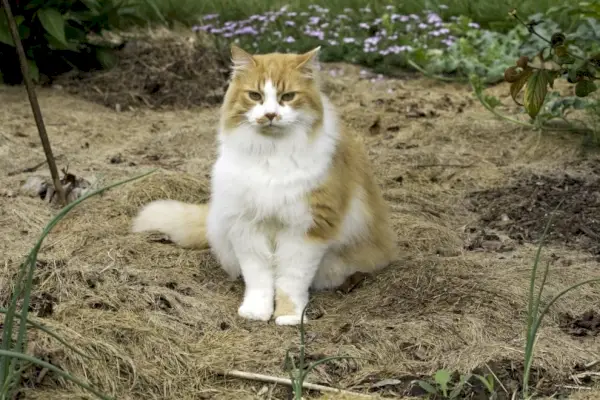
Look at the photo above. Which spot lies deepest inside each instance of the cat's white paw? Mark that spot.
(257, 307)
(289, 320)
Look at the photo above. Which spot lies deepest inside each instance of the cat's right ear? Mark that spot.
(241, 59)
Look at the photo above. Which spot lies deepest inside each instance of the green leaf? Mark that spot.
(34, 72)
(427, 387)
(54, 23)
(493, 101)
(5, 36)
(516, 86)
(535, 92)
(584, 88)
(106, 57)
(442, 377)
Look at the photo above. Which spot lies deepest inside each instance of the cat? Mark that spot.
(294, 204)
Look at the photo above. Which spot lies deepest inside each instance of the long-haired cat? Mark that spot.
(294, 204)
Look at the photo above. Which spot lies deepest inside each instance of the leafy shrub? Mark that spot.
(561, 56)
(59, 35)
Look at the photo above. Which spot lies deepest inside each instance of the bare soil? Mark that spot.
(470, 196)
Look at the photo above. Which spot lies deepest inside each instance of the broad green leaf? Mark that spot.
(428, 387)
(5, 36)
(54, 23)
(535, 92)
(57, 44)
(584, 88)
(34, 72)
(516, 86)
(442, 377)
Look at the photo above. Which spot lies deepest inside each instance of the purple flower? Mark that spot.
(318, 34)
(364, 25)
(422, 26)
(443, 6)
(292, 14)
(325, 25)
(247, 30)
(289, 39)
(389, 8)
(473, 25)
(290, 23)
(349, 40)
(348, 10)
(396, 50)
(314, 20)
(333, 43)
(414, 17)
(373, 40)
(210, 16)
(433, 18)
(204, 28)
(448, 42)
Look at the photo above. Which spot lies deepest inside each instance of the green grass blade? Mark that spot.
(54, 335)
(533, 303)
(536, 326)
(33, 254)
(30, 265)
(56, 370)
(9, 383)
(5, 368)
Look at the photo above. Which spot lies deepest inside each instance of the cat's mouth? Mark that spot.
(271, 129)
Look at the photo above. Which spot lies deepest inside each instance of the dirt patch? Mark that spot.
(156, 70)
(504, 375)
(523, 209)
(586, 324)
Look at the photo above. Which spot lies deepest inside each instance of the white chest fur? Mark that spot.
(259, 177)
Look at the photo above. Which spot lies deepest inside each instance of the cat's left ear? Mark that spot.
(309, 61)
(241, 59)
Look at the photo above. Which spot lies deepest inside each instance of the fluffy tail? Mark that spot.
(184, 224)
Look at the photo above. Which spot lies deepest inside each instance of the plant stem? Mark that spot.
(54, 369)
(35, 107)
(496, 113)
(532, 30)
(433, 76)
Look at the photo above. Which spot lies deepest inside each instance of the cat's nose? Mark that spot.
(271, 116)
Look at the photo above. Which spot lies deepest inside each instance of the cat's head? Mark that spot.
(272, 92)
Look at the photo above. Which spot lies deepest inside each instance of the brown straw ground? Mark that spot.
(160, 322)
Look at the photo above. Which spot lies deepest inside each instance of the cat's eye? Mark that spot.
(255, 96)
(289, 96)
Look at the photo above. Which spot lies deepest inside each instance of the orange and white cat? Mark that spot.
(294, 204)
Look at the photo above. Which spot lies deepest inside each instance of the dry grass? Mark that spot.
(157, 69)
(159, 321)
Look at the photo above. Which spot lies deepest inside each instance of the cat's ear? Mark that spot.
(308, 62)
(241, 59)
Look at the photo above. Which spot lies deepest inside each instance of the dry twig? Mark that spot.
(284, 381)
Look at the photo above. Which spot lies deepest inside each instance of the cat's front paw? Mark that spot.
(257, 306)
(289, 320)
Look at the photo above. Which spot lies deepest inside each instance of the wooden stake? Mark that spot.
(35, 107)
